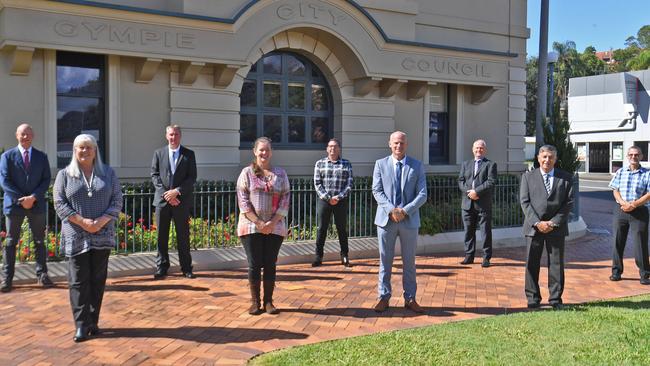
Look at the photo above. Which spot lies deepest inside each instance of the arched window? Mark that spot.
(286, 98)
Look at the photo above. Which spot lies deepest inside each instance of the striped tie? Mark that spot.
(547, 183)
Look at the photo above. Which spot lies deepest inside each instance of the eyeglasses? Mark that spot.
(633, 155)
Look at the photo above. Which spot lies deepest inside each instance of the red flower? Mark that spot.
(227, 237)
(50, 253)
(141, 220)
(3, 234)
(144, 227)
(153, 227)
(122, 245)
(25, 250)
(20, 241)
(129, 224)
(131, 231)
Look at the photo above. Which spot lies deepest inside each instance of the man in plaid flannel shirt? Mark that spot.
(333, 182)
(631, 186)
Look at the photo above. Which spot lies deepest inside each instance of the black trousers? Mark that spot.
(262, 252)
(636, 224)
(324, 211)
(471, 219)
(164, 215)
(14, 225)
(87, 280)
(555, 254)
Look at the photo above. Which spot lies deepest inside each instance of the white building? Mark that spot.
(608, 114)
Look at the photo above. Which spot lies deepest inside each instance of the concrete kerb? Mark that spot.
(291, 253)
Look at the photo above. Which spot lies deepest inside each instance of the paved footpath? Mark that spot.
(204, 321)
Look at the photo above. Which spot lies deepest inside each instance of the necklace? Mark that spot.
(89, 185)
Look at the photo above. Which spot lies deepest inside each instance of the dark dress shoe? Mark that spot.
(615, 277)
(645, 281)
(381, 306)
(486, 263)
(189, 275)
(413, 306)
(557, 306)
(94, 330)
(6, 286)
(45, 281)
(159, 275)
(467, 260)
(317, 262)
(346, 261)
(80, 335)
(533, 305)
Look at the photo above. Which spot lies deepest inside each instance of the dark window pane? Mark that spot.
(296, 96)
(438, 137)
(318, 98)
(296, 129)
(315, 73)
(77, 115)
(319, 129)
(272, 64)
(295, 67)
(248, 131)
(254, 67)
(644, 149)
(273, 128)
(248, 96)
(272, 92)
(78, 81)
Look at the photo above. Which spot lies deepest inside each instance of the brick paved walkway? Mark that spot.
(204, 321)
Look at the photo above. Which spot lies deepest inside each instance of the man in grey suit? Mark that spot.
(173, 173)
(24, 177)
(546, 196)
(399, 187)
(476, 180)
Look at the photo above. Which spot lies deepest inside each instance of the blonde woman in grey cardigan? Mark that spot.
(87, 198)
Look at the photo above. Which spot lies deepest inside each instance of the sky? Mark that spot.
(604, 24)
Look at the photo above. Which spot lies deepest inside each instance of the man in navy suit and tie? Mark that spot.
(173, 173)
(24, 177)
(476, 180)
(546, 196)
(399, 187)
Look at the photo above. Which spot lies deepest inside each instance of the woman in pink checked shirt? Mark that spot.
(263, 197)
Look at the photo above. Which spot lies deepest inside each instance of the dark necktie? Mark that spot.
(547, 183)
(477, 166)
(398, 184)
(26, 160)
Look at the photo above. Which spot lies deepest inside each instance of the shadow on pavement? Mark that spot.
(215, 335)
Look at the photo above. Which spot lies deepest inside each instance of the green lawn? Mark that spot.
(602, 333)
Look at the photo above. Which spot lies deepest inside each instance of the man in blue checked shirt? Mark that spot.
(631, 186)
(333, 182)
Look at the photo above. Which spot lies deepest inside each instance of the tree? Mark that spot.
(640, 61)
(531, 95)
(643, 36)
(557, 135)
(622, 57)
(592, 65)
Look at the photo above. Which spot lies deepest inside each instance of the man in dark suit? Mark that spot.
(400, 189)
(173, 173)
(546, 196)
(476, 180)
(25, 177)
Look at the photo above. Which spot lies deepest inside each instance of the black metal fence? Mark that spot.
(214, 220)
